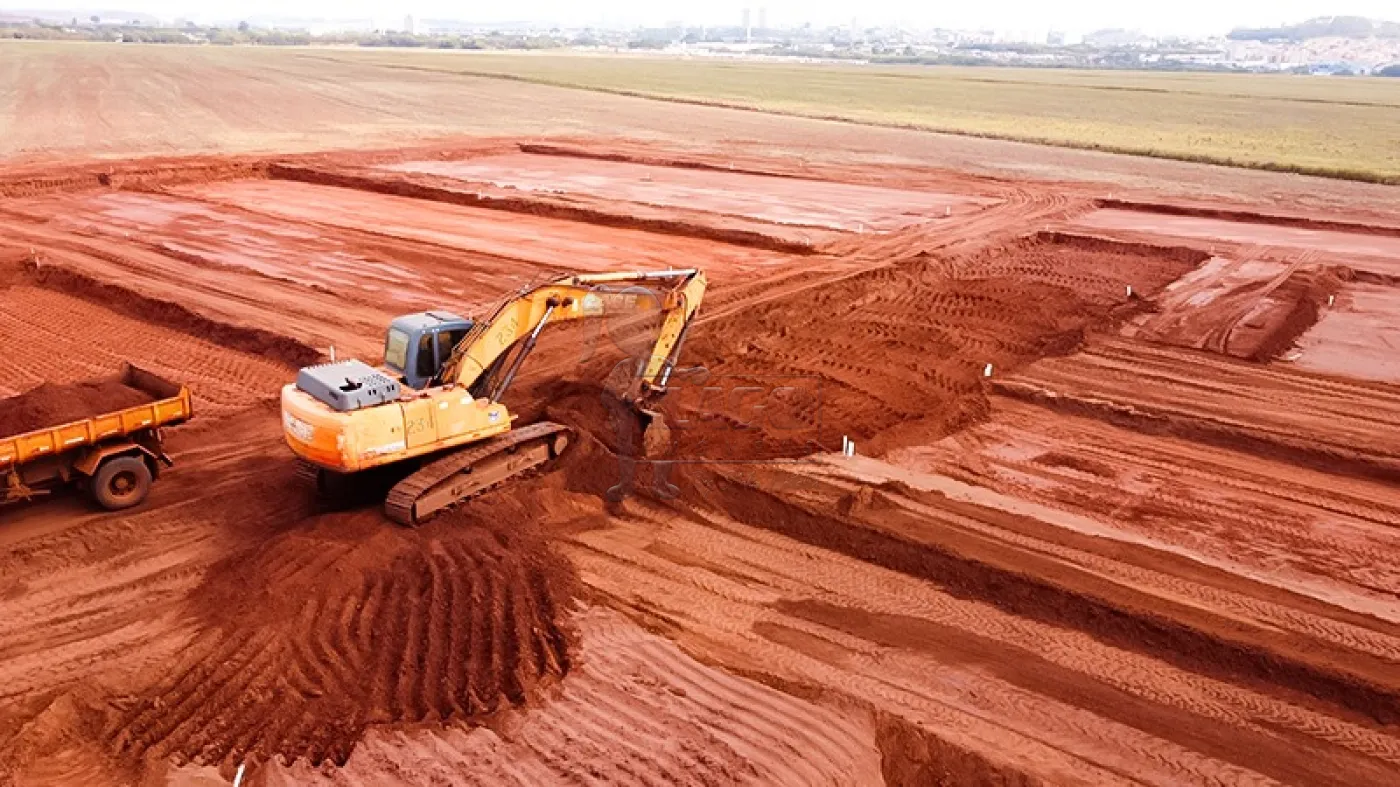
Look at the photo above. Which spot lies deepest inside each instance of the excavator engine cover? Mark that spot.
(348, 385)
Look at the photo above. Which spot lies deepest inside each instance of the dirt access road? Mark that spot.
(1104, 524)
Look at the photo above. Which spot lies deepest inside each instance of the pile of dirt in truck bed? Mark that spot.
(53, 404)
(349, 620)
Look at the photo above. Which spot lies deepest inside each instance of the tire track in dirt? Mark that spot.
(1299, 528)
(1335, 425)
(1020, 692)
(909, 342)
(39, 328)
(717, 580)
(1357, 631)
(635, 710)
(1247, 306)
(342, 622)
(1008, 554)
(101, 597)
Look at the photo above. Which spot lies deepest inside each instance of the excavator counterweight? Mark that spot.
(436, 403)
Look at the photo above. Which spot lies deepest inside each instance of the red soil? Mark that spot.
(1252, 217)
(1328, 538)
(52, 404)
(346, 621)
(776, 200)
(1084, 558)
(1370, 251)
(1348, 427)
(1253, 310)
(901, 353)
(636, 707)
(1357, 336)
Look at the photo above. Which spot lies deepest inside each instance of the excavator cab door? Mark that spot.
(411, 352)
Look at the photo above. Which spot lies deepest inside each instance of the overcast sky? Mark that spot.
(1184, 16)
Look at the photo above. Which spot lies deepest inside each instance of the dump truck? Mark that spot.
(115, 455)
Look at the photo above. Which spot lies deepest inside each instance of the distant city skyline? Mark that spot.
(1194, 17)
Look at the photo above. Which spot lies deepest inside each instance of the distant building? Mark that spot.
(1021, 36)
(1118, 38)
(748, 31)
(762, 17)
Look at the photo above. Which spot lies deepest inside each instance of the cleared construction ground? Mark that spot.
(1123, 508)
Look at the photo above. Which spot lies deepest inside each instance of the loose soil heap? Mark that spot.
(888, 356)
(349, 620)
(52, 404)
(902, 351)
(1257, 319)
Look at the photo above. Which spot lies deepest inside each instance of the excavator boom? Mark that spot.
(580, 297)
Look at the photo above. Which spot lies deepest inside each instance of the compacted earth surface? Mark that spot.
(1122, 504)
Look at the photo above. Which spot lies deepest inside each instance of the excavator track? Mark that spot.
(473, 470)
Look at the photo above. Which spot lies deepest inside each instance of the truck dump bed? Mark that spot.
(170, 405)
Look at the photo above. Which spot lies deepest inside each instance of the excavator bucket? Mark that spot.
(656, 434)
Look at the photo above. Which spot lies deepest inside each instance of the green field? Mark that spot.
(1333, 126)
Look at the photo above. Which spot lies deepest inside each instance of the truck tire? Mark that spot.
(121, 482)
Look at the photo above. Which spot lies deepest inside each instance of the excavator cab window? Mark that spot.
(396, 349)
(445, 343)
(427, 363)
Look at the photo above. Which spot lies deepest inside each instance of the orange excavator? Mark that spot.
(435, 405)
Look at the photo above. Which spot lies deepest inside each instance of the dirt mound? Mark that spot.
(890, 355)
(637, 711)
(52, 404)
(56, 745)
(349, 621)
(1256, 317)
(908, 344)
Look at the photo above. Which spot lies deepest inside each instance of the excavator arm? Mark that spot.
(518, 321)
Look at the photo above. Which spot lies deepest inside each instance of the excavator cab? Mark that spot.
(417, 345)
